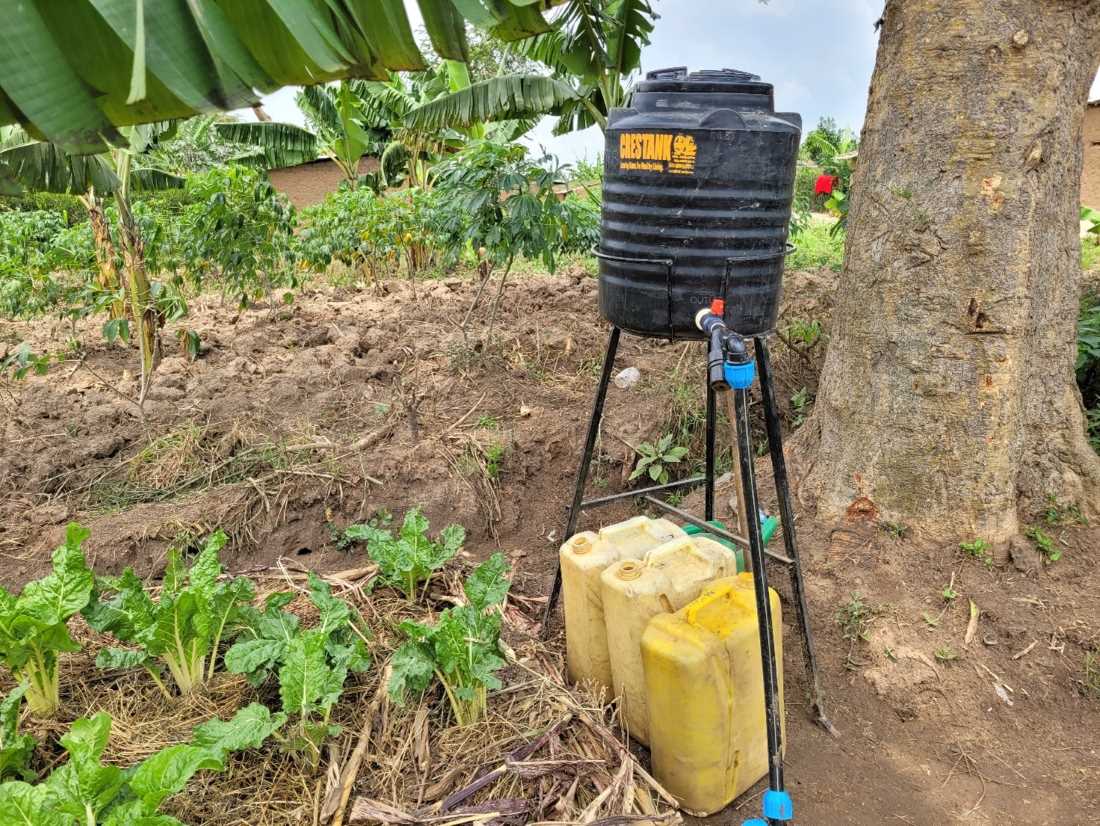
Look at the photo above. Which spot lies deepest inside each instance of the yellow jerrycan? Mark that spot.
(705, 690)
(634, 591)
(583, 558)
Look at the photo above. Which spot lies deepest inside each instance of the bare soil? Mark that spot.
(297, 420)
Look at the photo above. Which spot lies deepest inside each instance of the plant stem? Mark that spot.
(451, 698)
(42, 694)
(139, 290)
(160, 683)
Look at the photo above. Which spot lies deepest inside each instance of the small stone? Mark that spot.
(628, 378)
(1023, 555)
(1020, 39)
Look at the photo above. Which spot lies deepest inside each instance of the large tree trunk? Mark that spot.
(948, 400)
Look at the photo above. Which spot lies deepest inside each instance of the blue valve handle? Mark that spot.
(778, 808)
(739, 376)
(778, 805)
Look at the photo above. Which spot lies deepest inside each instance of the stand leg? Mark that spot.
(740, 415)
(582, 471)
(712, 427)
(786, 513)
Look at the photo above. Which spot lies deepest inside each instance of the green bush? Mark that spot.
(805, 180)
(1088, 364)
(817, 246)
(67, 207)
(1090, 255)
(498, 200)
(24, 234)
(238, 229)
(371, 232)
(26, 287)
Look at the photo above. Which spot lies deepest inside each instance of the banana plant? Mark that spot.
(27, 164)
(77, 77)
(590, 53)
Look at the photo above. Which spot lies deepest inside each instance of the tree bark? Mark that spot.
(948, 401)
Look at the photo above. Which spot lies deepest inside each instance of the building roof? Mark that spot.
(369, 159)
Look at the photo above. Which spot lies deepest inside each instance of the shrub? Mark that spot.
(370, 232)
(67, 207)
(816, 247)
(239, 229)
(24, 234)
(499, 200)
(804, 182)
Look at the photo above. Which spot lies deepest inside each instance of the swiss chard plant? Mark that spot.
(183, 629)
(460, 650)
(408, 559)
(312, 664)
(85, 791)
(34, 625)
(16, 748)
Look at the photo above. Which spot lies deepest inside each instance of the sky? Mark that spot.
(819, 55)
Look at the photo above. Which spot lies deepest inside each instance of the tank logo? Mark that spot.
(653, 152)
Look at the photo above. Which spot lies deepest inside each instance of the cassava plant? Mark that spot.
(34, 625)
(408, 559)
(312, 665)
(460, 650)
(183, 628)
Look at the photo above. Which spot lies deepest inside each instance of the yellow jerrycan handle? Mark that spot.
(677, 546)
(717, 592)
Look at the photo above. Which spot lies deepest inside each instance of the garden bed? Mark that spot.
(296, 421)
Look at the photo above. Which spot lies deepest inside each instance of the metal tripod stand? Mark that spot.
(748, 505)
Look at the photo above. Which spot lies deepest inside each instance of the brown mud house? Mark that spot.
(1090, 170)
(308, 183)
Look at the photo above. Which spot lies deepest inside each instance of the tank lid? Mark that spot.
(677, 79)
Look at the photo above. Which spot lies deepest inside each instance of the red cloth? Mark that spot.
(824, 185)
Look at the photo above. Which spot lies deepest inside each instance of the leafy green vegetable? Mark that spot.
(261, 647)
(34, 624)
(312, 665)
(461, 649)
(409, 558)
(87, 792)
(655, 459)
(183, 629)
(15, 748)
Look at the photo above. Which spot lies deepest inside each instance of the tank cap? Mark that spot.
(735, 75)
(580, 544)
(629, 570)
(675, 73)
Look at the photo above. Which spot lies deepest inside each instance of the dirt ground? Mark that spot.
(298, 420)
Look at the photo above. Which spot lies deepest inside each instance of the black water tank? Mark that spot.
(697, 189)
